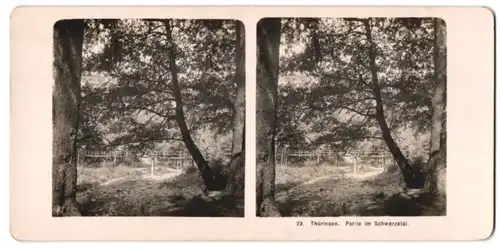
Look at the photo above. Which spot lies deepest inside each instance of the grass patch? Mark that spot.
(288, 177)
(94, 176)
(339, 195)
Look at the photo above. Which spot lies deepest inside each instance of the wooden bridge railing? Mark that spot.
(283, 155)
(151, 158)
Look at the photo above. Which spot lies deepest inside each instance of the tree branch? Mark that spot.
(113, 144)
(348, 139)
(140, 78)
(361, 80)
(358, 112)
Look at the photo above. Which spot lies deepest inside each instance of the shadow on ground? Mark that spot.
(201, 206)
(380, 195)
(179, 196)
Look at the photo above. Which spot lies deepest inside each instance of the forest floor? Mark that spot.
(340, 192)
(125, 191)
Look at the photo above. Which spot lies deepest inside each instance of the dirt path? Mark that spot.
(360, 176)
(170, 194)
(161, 177)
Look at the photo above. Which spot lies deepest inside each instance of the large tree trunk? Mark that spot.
(412, 177)
(236, 176)
(437, 158)
(268, 41)
(236, 171)
(212, 180)
(68, 45)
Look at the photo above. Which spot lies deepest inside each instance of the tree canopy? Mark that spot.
(327, 93)
(128, 96)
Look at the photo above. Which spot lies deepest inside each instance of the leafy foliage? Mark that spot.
(326, 90)
(127, 93)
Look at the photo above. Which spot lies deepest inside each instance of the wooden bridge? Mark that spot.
(151, 158)
(380, 158)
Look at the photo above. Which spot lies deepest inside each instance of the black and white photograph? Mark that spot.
(351, 117)
(152, 123)
(148, 117)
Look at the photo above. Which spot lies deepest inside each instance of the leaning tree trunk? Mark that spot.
(236, 169)
(68, 45)
(268, 41)
(213, 181)
(437, 158)
(410, 175)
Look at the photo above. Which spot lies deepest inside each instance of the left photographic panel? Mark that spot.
(148, 117)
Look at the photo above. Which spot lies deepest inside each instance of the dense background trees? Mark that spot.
(157, 83)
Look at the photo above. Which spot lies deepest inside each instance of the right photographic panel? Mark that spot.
(351, 117)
